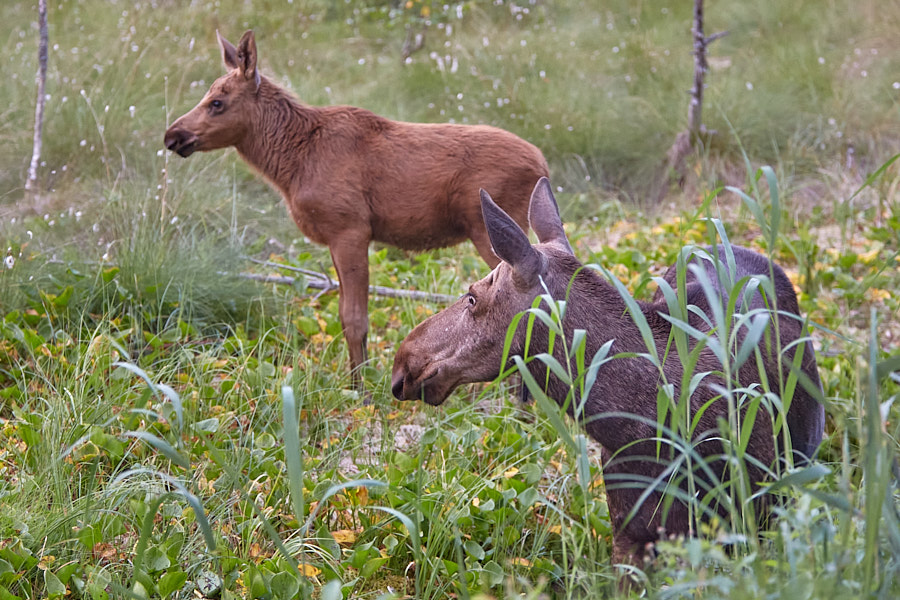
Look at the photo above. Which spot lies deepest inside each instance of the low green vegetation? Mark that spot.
(170, 429)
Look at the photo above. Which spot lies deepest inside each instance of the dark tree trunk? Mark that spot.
(685, 140)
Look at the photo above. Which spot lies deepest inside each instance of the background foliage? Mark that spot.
(146, 444)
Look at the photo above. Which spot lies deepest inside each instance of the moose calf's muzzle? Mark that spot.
(180, 141)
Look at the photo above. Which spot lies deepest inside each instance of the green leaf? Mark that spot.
(156, 560)
(18, 556)
(327, 542)
(65, 571)
(285, 585)
(372, 565)
(265, 441)
(109, 274)
(331, 590)
(171, 582)
(307, 325)
(113, 446)
(809, 474)
(210, 425)
(492, 574)
(474, 550)
(256, 583)
(5, 594)
(53, 587)
(90, 536)
(138, 590)
(527, 498)
(451, 566)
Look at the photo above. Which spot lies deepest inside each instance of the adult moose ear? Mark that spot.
(246, 57)
(511, 245)
(229, 52)
(543, 216)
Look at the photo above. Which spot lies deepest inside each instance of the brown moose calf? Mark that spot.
(464, 344)
(349, 176)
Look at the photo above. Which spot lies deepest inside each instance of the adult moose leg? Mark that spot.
(349, 252)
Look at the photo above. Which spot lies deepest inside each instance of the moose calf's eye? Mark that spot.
(216, 104)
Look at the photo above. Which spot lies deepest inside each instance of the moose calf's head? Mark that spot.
(464, 343)
(220, 120)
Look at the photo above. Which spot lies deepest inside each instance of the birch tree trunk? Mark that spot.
(31, 181)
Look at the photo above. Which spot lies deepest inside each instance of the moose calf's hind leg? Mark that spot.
(479, 237)
(352, 264)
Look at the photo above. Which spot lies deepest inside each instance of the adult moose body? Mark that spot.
(464, 343)
(349, 176)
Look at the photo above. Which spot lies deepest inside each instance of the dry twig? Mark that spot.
(321, 281)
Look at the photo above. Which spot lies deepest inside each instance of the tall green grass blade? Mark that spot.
(293, 454)
(191, 499)
(775, 209)
(758, 324)
(175, 400)
(157, 389)
(163, 446)
(874, 484)
(555, 367)
(414, 540)
(146, 532)
(335, 489)
(637, 315)
(874, 175)
(710, 340)
(550, 408)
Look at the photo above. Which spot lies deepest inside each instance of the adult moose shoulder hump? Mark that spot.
(464, 344)
(349, 176)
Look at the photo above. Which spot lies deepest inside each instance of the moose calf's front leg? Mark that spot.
(350, 257)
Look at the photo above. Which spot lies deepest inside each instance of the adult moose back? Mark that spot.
(349, 176)
(464, 344)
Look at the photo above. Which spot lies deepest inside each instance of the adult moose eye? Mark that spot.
(471, 300)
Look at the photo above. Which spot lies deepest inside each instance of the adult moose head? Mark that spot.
(464, 343)
(349, 177)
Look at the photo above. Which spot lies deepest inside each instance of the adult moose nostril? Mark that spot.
(397, 385)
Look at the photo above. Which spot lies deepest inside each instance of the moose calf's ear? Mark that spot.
(246, 57)
(229, 52)
(510, 243)
(543, 216)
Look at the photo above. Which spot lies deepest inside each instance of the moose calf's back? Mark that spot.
(413, 185)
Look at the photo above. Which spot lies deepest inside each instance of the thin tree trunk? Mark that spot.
(685, 140)
(695, 109)
(31, 181)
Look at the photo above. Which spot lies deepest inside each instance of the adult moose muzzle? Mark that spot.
(464, 344)
(349, 176)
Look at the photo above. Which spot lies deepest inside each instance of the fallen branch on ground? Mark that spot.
(321, 281)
